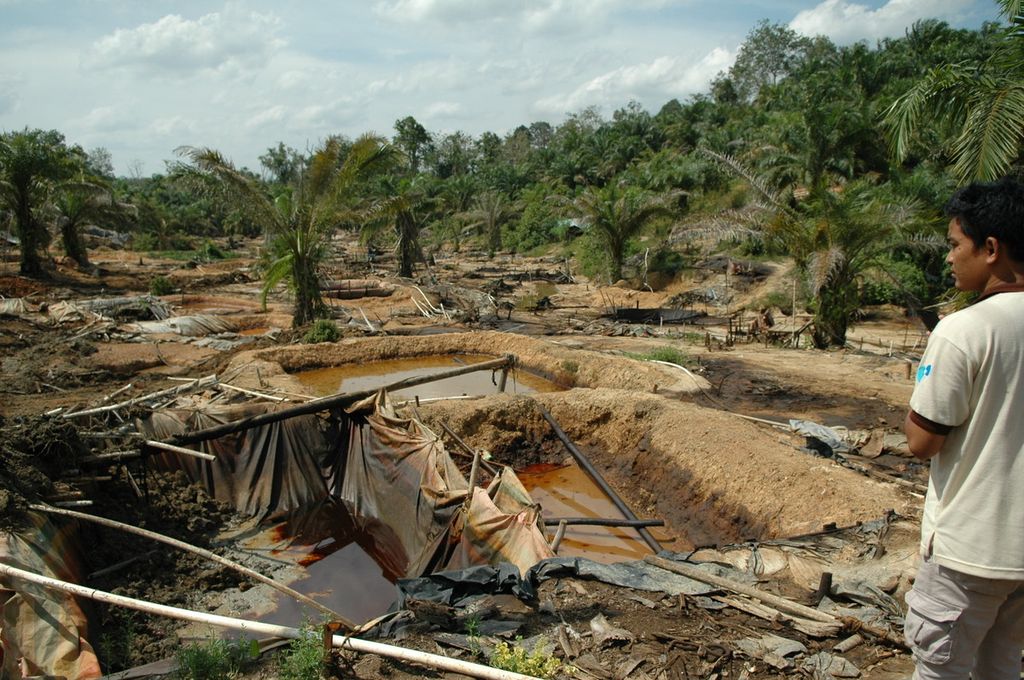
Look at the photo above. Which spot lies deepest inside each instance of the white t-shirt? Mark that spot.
(971, 378)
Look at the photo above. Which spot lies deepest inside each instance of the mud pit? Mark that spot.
(658, 435)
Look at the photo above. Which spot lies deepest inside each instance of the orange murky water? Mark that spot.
(350, 564)
(376, 374)
(567, 491)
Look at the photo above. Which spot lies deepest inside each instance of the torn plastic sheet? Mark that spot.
(456, 588)
(821, 440)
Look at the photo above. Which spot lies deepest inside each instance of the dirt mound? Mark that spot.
(563, 365)
(34, 452)
(712, 476)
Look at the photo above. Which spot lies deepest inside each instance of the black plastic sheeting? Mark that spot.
(457, 588)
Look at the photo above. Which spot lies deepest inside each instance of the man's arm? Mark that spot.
(922, 439)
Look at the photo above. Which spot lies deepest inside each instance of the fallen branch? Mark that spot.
(179, 449)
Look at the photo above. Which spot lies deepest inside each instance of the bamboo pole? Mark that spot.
(252, 393)
(605, 522)
(179, 449)
(201, 552)
(437, 661)
(197, 384)
(333, 401)
(589, 468)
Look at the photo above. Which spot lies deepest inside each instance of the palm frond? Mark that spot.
(771, 197)
(823, 266)
(942, 91)
(991, 139)
(278, 271)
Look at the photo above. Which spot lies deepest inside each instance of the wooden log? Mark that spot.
(782, 604)
(195, 550)
(592, 472)
(559, 535)
(817, 629)
(326, 403)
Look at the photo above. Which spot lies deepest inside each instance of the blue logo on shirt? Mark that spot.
(923, 372)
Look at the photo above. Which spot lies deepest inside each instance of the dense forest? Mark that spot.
(839, 157)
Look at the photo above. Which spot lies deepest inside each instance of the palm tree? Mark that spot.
(32, 163)
(407, 207)
(80, 203)
(984, 101)
(302, 217)
(615, 214)
(834, 238)
(491, 210)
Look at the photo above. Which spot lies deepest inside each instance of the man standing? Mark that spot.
(966, 609)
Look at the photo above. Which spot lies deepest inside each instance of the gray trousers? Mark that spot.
(958, 624)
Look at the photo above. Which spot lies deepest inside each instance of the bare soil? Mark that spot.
(671, 441)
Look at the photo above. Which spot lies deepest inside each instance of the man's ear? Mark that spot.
(993, 248)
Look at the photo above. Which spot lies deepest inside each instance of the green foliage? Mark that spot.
(117, 641)
(570, 366)
(891, 280)
(672, 355)
(305, 657)
(33, 164)
(323, 330)
(780, 300)
(215, 659)
(160, 285)
(514, 658)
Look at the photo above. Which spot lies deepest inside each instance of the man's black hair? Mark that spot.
(993, 209)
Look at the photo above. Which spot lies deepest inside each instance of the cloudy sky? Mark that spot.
(142, 77)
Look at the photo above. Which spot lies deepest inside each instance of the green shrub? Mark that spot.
(323, 330)
(516, 659)
(209, 251)
(215, 659)
(879, 286)
(304, 659)
(667, 353)
(160, 285)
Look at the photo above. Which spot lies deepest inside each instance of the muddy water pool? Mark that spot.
(372, 375)
(567, 491)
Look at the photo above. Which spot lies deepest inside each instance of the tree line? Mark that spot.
(837, 156)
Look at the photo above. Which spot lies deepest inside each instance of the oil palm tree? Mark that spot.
(301, 218)
(615, 214)
(32, 164)
(407, 206)
(984, 102)
(835, 237)
(81, 203)
(490, 211)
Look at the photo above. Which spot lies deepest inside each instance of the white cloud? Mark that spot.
(218, 40)
(439, 109)
(846, 22)
(8, 95)
(275, 114)
(663, 78)
(173, 125)
(530, 14)
(108, 119)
